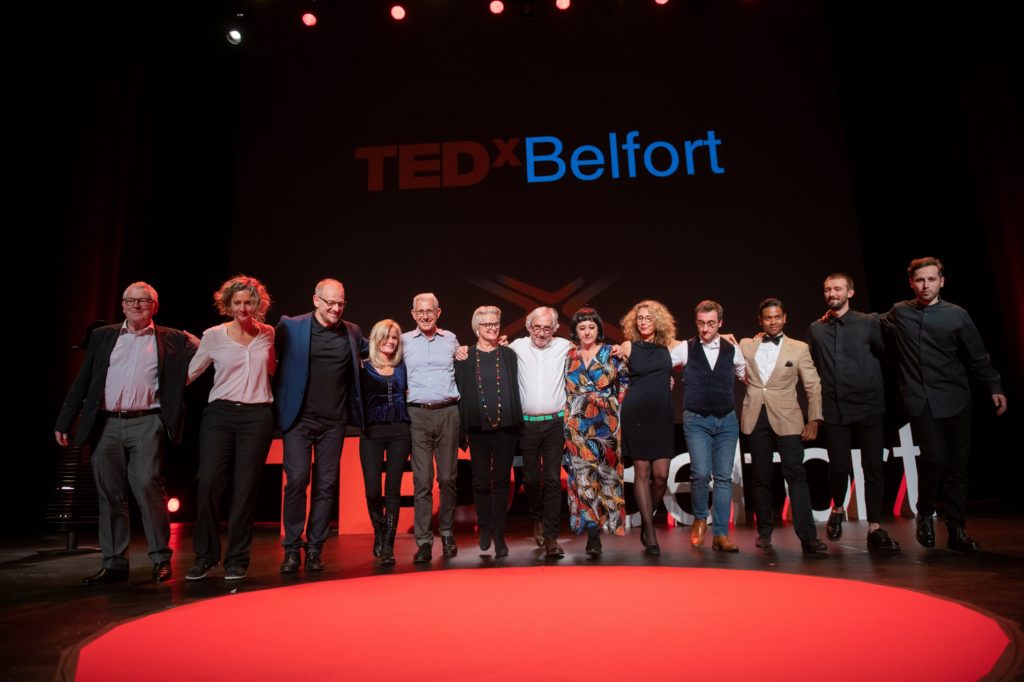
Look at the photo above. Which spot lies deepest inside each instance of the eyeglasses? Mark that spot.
(710, 324)
(644, 318)
(490, 325)
(542, 330)
(331, 304)
(144, 302)
(424, 313)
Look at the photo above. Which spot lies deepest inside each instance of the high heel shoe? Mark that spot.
(652, 549)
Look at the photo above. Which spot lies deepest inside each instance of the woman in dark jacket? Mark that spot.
(491, 412)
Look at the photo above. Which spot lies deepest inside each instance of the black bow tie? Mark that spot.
(771, 339)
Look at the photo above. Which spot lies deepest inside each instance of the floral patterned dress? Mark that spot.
(593, 394)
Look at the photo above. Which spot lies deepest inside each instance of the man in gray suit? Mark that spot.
(129, 393)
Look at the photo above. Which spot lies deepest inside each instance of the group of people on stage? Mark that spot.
(580, 403)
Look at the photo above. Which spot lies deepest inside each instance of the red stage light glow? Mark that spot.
(309, 19)
(660, 2)
(397, 12)
(497, 7)
(173, 504)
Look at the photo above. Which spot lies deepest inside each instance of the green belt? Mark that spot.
(543, 417)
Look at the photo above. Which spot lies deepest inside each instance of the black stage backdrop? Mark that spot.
(436, 154)
(844, 137)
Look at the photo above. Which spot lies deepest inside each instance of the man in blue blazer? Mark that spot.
(317, 395)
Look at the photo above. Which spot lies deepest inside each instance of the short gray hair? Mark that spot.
(480, 312)
(543, 309)
(427, 296)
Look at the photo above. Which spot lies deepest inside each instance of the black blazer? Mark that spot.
(469, 405)
(174, 351)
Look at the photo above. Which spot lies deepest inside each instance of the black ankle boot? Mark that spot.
(377, 521)
(387, 547)
(594, 542)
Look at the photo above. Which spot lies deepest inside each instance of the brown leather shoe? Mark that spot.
(722, 543)
(700, 529)
(552, 549)
(538, 533)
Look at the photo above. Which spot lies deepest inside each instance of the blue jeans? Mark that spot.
(712, 445)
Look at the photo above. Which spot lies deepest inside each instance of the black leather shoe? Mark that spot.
(291, 562)
(879, 540)
(485, 539)
(162, 571)
(500, 548)
(552, 549)
(594, 545)
(763, 542)
(834, 527)
(814, 546)
(448, 546)
(423, 555)
(925, 530)
(107, 576)
(313, 561)
(538, 533)
(960, 541)
(199, 569)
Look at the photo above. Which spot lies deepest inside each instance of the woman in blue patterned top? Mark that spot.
(386, 430)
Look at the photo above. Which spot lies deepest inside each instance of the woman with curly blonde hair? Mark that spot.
(647, 426)
(238, 423)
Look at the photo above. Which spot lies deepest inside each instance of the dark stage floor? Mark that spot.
(47, 611)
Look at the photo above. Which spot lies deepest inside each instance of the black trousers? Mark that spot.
(541, 445)
(870, 436)
(945, 444)
(384, 448)
(491, 454)
(233, 442)
(312, 451)
(763, 442)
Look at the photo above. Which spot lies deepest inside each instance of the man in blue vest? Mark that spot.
(317, 395)
(710, 371)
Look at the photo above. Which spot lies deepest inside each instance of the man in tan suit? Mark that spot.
(773, 420)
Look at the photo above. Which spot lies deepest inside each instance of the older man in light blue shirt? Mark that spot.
(433, 401)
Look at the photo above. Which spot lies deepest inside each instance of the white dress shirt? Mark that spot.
(680, 354)
(541, 375)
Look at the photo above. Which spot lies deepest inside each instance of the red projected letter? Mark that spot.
(479, 163)
(506, 152)
(375, 164)
(413, 168)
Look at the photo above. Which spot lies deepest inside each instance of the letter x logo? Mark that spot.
(566, 300)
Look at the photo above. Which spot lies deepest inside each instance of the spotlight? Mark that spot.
(397, 12)
(309, 19)
(235, 29)
(660, 2)
(563, 4)
(173, 504)
(497, 7)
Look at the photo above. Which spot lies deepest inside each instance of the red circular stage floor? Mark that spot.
(550, 623)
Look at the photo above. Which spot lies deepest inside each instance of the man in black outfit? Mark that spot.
(847, 346)
(129, 392)
(935, 339)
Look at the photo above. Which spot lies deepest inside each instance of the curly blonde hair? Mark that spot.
(222, 297)
(664, 323)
